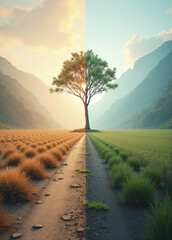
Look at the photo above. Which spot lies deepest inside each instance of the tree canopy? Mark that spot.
(84, 76)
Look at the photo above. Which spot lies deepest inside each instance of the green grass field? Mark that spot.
(153, 147)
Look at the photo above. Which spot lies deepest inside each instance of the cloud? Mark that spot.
(3, 11)
(166, 36)
(137, 47)
(169, 11)
(48, 25)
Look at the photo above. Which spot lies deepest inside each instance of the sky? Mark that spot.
(122, 31)
(37, 36)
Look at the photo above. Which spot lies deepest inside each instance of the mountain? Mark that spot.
(156, 115)
(141, 97)
(13, 113)
(60, 106)
(25, 98)
(128, 81)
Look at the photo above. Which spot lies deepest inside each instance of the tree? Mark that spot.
(84, 76)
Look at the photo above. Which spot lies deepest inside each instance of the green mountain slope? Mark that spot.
(128, 82)
(142, 96)
(157, 115)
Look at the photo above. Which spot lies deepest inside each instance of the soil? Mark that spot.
(58, 199)
(120, 222)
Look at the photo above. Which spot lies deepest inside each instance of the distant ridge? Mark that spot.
(128, 82)
(57, 107)
(20, 109)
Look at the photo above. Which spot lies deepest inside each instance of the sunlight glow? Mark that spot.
(83, 85)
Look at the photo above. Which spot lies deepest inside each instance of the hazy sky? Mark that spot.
(121, 31)
(38, 35)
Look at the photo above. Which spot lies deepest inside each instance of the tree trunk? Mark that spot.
(87, 123)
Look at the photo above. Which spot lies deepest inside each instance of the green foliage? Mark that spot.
(89, 175)
(159, 223)
(98, 74)
(134, 162)
(123, 155)
(120, 173)
(82, 171)
(87, 154)
(116, 150)
(138, 192)
(108, 155)
(152, 147)
(96, 205)
(115, 160)
(84, 76)
(155, 175)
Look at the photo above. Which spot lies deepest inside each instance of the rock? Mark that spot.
(34, 193)
(60, 178)
(16, 235)
(43, 187)
(55, 180)
(64, 164)
(75, 185)
(38, 202)
(47, 194)
(80, 230)
(19, 218)
(38, 226)
(66, 218)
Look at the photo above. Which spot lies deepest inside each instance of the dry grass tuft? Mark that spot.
(67, 146)
(62, 149)
(33, 169)
(14, 159)
(33, 145)
(19, 145)
(57, 154)
(30, 152)
(8, 152)
(48, 146)
(14, 186)
(41, 149)
(23, 148)
(48, 160)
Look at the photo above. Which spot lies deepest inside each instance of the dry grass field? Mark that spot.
(25, 156)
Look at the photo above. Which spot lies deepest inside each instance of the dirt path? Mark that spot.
(120, 222)
(62, 200)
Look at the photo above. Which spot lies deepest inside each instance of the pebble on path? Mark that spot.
(47, 194)
(38, 202)
(38, 226)
(16, 235)
(66, 218)
(75, 185)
